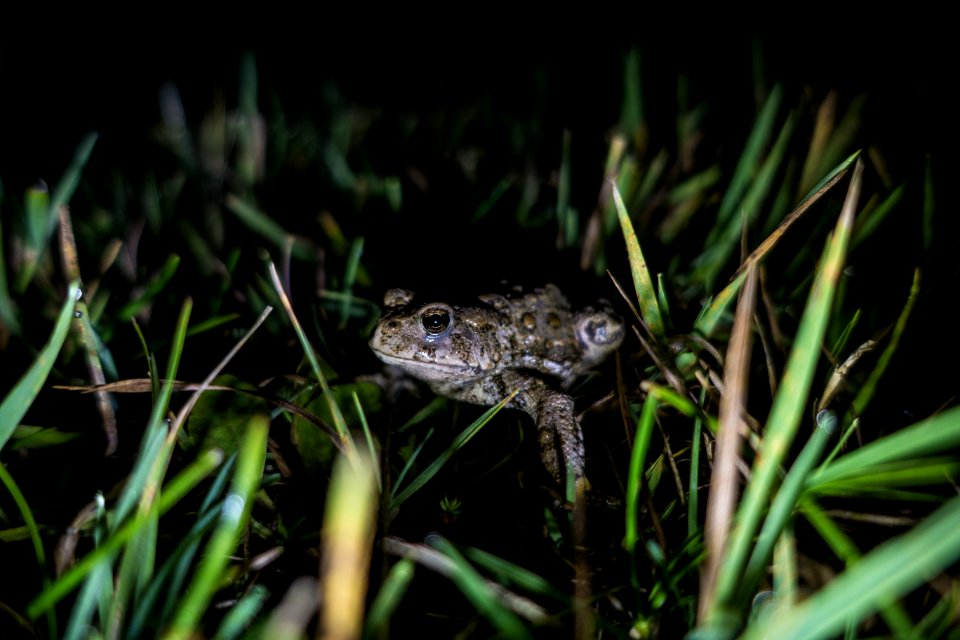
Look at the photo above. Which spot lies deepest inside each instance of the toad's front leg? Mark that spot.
(561, 441)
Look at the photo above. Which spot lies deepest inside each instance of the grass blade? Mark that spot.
(349, 523)
(646, 294)
(242, 614)
(391, 592)
(233, 518)
(786, 412)
(786, 499)
(34, 532)
(476, 590)
(344, 437)
(638, 457)
(18, 401)
(937, 434)
(880, 576)
(173, 493)
(456, 445)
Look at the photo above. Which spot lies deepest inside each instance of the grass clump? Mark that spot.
(226, 471)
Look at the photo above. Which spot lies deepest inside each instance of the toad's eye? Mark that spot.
(435, 321)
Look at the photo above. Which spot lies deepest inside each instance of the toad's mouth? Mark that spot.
(424, 369)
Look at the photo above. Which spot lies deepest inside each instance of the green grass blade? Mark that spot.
(881, 575)
(839, 542)
(937, 434)
(233, 518)
(173, 493)
(70, 179)
(749, 160)
(638, 457)
(154, 288)
(18, 401)
(8, 316)
(787, 410)
(349, 279)
(693, 502)
(391, 592)
(264, 226)
(97, 587)
(646, 294)
(869, 388)
(478, 592)
(43, 210)
(786, 499)
(346, 443)
(713, 313)
(509, 573)
(633, 120)
(434, 467)
(153, 458)
(567, 220)
(368, 437)
(726, 238)
(34, 532)
(169, 580)
(870, 222)
(167, 583)
(242, 614)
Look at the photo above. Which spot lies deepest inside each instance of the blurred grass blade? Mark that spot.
(787, 497)
(264, 226)
(168, 582)
(349, 279)
(34, 532)
(97, 588)
(881, 575)
(787, 410)
(70, 179)
(154, 288)
(567, 220)
(938, 434)
(509, 573)
(456, 445)
(176, 489)
(633, 122)
(21, 397)
(748, 163)
(646, 295)
(391, 592)
(42, 211)
(868, 224)
(242, 615)
(8, 316)
(479, 593)
(725, 239)
(233, 518)
(349, 522)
